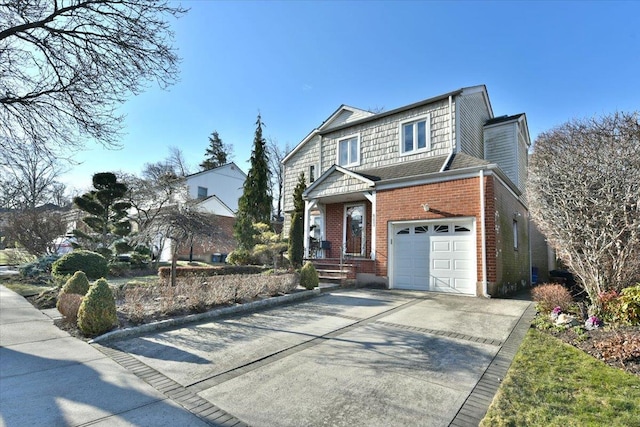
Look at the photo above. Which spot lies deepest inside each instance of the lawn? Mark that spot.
(14, 257)
(551, 383)
(23, 287)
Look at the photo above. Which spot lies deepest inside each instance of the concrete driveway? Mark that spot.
(349, 358)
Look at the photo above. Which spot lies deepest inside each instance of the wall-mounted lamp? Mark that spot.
(425, 206)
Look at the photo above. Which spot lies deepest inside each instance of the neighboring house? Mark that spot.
(225, 182)
(429, 196)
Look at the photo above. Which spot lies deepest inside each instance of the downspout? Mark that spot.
(483, 237)
(445, 165)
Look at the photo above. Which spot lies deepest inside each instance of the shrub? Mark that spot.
(309, 276)
(77, 284)
(296, 239)
(550, 296)
(68, 305)
(93, 264)
(97, 313)
(117, 268)
(623, 308)
(239, 257)
(40, 266)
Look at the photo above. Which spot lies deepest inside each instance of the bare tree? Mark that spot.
(181, 223)
(276, 156)
(36, 230)
(29, 175)
(148, 195)
(68, 64)
(584, 195)
(177, 162)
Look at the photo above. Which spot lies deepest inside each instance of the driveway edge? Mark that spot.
(211, 314)
(476, 405)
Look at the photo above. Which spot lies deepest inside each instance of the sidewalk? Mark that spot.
(50, 378)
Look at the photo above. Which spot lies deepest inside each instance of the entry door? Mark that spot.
(354, 230)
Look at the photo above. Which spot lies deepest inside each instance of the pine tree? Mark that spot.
(107, 211)
(296, 232)
(217, 153)
(255, 203)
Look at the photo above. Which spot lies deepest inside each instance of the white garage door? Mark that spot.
(435, 256)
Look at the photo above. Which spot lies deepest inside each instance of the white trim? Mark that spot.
(422, 118)
(363, 243)
(346, 138)
(372, 197)
(328, 173)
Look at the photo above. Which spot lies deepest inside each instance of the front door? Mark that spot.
(354, 230)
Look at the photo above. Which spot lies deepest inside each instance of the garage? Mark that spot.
(434, 256)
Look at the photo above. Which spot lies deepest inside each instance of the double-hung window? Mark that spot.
(349, 151)
(415, 135)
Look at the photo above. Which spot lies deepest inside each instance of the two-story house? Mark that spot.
(429, 196)
(217, 191)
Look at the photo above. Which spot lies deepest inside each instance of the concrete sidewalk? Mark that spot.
(48, 378)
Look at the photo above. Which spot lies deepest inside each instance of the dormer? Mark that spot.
(506, 143)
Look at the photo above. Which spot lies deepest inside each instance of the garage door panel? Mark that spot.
(437, 260)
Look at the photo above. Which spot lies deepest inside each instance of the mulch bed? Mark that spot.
(619, 348)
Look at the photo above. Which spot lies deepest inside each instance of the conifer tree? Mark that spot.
(217, 153)
(296, 231)
(106, 208)
(255, 203)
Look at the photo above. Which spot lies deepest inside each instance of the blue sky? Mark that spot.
(296, 62)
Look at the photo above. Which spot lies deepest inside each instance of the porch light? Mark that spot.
(425, 206)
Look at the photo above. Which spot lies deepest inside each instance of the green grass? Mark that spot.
(21, 287)
(14, 257)
(551, 383)
(150, 280)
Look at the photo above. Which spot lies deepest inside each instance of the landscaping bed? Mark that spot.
(617, 347)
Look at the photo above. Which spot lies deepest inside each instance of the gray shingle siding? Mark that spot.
(473, 114)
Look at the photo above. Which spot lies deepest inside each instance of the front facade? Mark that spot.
(428, 196)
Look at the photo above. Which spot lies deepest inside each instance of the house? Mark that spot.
(429, 196)
(217, 191)
(225, 182)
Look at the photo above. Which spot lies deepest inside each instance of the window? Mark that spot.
(202, 192)
(349, 151)
(460, 229)
(515, 234)
(312, 173)
(415, 135)
(421, 229)
(441, 228)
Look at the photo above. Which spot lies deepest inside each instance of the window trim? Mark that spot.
(206, 192)
(345, 138)
(422, 118)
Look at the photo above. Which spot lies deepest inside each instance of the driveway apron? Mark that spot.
(346, 358)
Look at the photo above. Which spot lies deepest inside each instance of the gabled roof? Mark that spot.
(214, 197)
(328, 172)
(230, 165)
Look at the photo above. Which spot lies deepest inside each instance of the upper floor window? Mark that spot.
(312, 173)
(349, 151)
(415, 135)
(202, 192)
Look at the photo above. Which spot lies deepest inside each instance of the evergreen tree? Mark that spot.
(255, 203)
(296, 231)
(217, 153)
(107, 211)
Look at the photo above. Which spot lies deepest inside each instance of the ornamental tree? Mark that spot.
(584, 195)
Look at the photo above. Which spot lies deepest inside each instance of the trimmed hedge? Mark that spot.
(92, 264)
(97, 313)
(309, 276)
(165, 272)
(77, 284)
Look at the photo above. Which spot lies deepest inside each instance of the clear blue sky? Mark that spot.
(296, 62)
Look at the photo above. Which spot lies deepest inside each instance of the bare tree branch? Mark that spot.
(66, 66)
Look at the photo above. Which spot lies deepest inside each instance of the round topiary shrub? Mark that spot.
(77, 284)
(309, 276)
(92, 264)
(97, 313)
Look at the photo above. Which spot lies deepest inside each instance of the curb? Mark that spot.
(211, 314)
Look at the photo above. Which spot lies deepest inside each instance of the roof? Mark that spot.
(230, 164)
(394, 111)
(503, 119)
(417, 168)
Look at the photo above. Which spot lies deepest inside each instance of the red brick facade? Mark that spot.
(450, 199)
